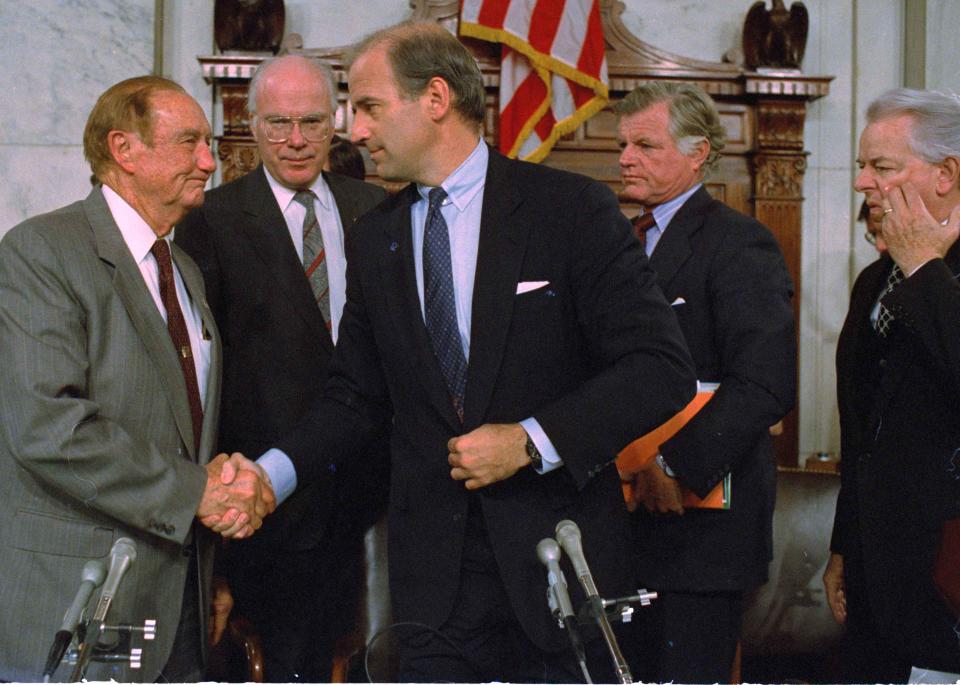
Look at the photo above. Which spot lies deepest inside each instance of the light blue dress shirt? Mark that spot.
(664, 214)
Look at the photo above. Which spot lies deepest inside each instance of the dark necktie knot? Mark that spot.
(305, 197)
(437, 196)
(643, 223)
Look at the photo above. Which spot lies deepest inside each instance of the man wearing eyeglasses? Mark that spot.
(271, 248)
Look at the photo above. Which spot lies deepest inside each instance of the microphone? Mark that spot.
(568, 535)
(122, 555)
(90, 579)
(548, 551)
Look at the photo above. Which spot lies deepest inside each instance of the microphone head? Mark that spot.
(548, 551)
(124, 547)
(567, 530)
(94, 572)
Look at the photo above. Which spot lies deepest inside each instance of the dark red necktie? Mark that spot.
(178, 334)
(641, 225)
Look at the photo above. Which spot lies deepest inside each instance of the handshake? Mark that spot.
(237, 496)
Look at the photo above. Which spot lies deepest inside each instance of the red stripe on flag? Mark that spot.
(492, 13)
(581, 94)
(544, 22)
(526, 99)
(593, 50)
(545, 125)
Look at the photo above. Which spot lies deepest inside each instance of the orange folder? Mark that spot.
(639, 453)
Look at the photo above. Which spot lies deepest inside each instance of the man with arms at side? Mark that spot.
(725, 276)
(111, 396)
(487, 292)
(898, 386)
(298, 578)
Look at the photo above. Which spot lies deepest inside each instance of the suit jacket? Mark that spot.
(96, 440)
(731, 291)
(900, 448)
(276, 345)
(595, 356)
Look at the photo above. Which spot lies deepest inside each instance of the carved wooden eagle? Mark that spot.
(775, 37)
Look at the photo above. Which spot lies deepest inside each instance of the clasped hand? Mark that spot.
(654, 489)
(237, 497)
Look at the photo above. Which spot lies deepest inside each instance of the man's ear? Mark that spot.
(120, 144)
(439, 99)
(948, 175)
(699, 153)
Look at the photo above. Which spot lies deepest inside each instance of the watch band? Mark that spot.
(536, 460)
(661, 462)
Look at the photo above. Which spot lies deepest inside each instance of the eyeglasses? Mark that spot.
(870, 238)
(313, 127)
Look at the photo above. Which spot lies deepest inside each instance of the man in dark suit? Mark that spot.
(898, 383)
(298, 579)
(111, 395)
(514, 293)
(725, 277)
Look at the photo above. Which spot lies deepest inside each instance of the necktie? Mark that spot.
(314, 256)
(439, 305)
(884, 316)
(178, 334)
(643, 223)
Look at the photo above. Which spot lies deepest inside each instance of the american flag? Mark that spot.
(553, 72)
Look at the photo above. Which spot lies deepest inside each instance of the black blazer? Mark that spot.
(276, 346)
(900, 448)
(725, 276)
(596, 356)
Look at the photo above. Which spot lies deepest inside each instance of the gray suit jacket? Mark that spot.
(96, 438)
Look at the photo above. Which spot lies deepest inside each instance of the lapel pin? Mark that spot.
(393, 246)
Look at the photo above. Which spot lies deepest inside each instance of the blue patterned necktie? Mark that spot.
(439, 305)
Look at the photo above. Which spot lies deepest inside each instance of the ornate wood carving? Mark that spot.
(761, 172)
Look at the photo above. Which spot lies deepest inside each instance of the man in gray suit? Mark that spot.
(110, 398)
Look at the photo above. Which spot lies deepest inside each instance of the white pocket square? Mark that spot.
(678, 301)
(527, 286)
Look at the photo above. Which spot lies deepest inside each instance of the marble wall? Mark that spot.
(60, 54)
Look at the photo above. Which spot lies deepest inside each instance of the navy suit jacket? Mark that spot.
(595, 356)
(900, 449)
(731, 291)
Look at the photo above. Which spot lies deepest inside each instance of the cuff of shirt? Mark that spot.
(283, 475)
(551, 460)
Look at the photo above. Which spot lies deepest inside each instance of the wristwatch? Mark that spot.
(661, 462)
(536, 460)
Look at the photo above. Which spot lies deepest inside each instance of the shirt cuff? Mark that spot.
(551, 460)
(280, 470)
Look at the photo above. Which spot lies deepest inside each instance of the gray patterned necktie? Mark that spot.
(439, 305)
(884, 316)
(314, 256)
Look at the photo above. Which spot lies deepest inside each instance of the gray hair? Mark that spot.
(693, 115)
(324, 73)
(936, 130)
(418, 52)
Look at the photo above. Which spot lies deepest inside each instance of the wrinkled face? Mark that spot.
(172, 172)
(395, 130)
(652, 167)
(886, 160)
(292, 91)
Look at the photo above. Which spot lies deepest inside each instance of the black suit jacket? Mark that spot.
(900, 448)
(596, 356)
(276, 346)
(730, 289)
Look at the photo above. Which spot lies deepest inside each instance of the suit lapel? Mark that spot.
(399, 287)
(673, 248)
(503, 239)
(143, 312)
(266, 229)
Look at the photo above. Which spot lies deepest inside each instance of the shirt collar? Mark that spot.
(665, 211)
(136, 233)
(285, 195)
(466, 180)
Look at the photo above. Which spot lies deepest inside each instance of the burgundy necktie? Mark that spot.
(178, 333)
(641, 225)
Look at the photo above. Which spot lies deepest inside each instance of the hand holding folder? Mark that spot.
(640, 453)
